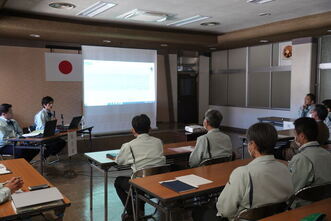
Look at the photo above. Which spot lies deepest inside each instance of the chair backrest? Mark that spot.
(314, 193)
(215, 160)
(262, 211)
(149, 171)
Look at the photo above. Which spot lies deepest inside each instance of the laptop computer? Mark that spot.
(74, 124)
(48, 131)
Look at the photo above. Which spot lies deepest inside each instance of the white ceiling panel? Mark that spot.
(231, 14)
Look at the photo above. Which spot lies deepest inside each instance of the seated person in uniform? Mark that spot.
(214, 143)
(308, 105)
(9, 128)
(327, 121)
(311, 165)
(264, 180)
(142, 152)
(40, 120)
(320, 113)
(9, 187)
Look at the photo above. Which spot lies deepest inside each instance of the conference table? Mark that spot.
(39, 143)
(283, 136)
(276, 121)
(150, 185)
(323, 206)
(97, 160)
(31, 177)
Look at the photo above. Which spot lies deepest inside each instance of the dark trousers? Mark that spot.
(54, 147)
(206, 213)
(27, 154)
(122, 187)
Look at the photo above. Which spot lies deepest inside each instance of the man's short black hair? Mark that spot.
(46, 100)
(141, 124)
(321, 111)
(264, 135)
(4, 108)
(214, 118)
(312, 97)
(327, 103)
(308, 127)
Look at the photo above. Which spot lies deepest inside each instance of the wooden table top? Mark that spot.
(323, 206)
(43, 139)
(218, 173)
(30, 176)
(282, 134)
(100, 156)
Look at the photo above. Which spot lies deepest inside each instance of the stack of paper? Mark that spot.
(4, 170)
(193, 180)
(185, 183)
(33, 133)
(32, 198)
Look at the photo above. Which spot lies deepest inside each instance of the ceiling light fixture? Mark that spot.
(329, 30)
(146, 16)
(164, 45)
(212, 23)
(265, 14)
(97, 8)
(259, 1)
(34, 35)
(264, 41)
(212, 49)
(188, 20)
(106, 41)
(62, 5)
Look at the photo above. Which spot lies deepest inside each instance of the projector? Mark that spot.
(194, 128)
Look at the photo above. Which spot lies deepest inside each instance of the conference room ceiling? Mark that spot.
(240, 23)
(231, 14)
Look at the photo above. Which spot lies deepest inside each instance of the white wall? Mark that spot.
(302, 76)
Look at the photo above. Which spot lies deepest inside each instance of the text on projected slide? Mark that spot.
(118, 82)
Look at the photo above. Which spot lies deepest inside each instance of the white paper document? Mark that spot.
(3, 169)
(72, 143)
(33, 133)
(31, 198)
(193, 180)
(182, 149)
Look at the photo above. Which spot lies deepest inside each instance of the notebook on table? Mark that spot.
(177, 185)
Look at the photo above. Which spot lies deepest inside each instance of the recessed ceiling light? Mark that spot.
(329, 30)
(61, 5)
(212, 49)
(212, 23)
(188, 20)
(259, 1)
(164, 45)
(265, 14)
(264, 41)
(96, 9)
(106, 41)
(34, 35)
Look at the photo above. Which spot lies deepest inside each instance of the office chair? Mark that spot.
(215, 160)
(261, 212)
(312, 193)
(144, 173)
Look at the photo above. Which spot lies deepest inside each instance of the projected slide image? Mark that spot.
(118, 82)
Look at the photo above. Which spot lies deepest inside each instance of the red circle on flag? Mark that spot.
(65, 67)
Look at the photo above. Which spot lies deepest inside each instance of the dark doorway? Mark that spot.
(187, 98)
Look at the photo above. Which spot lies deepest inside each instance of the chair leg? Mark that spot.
(55, 161)
(127, 200)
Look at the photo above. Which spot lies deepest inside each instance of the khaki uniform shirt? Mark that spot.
(4, 193)
(271, 183)
(142, 152)
(8, 130)
(311, 166)
(219, 143)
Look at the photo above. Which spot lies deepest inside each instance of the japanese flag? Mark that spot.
(63, 67)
